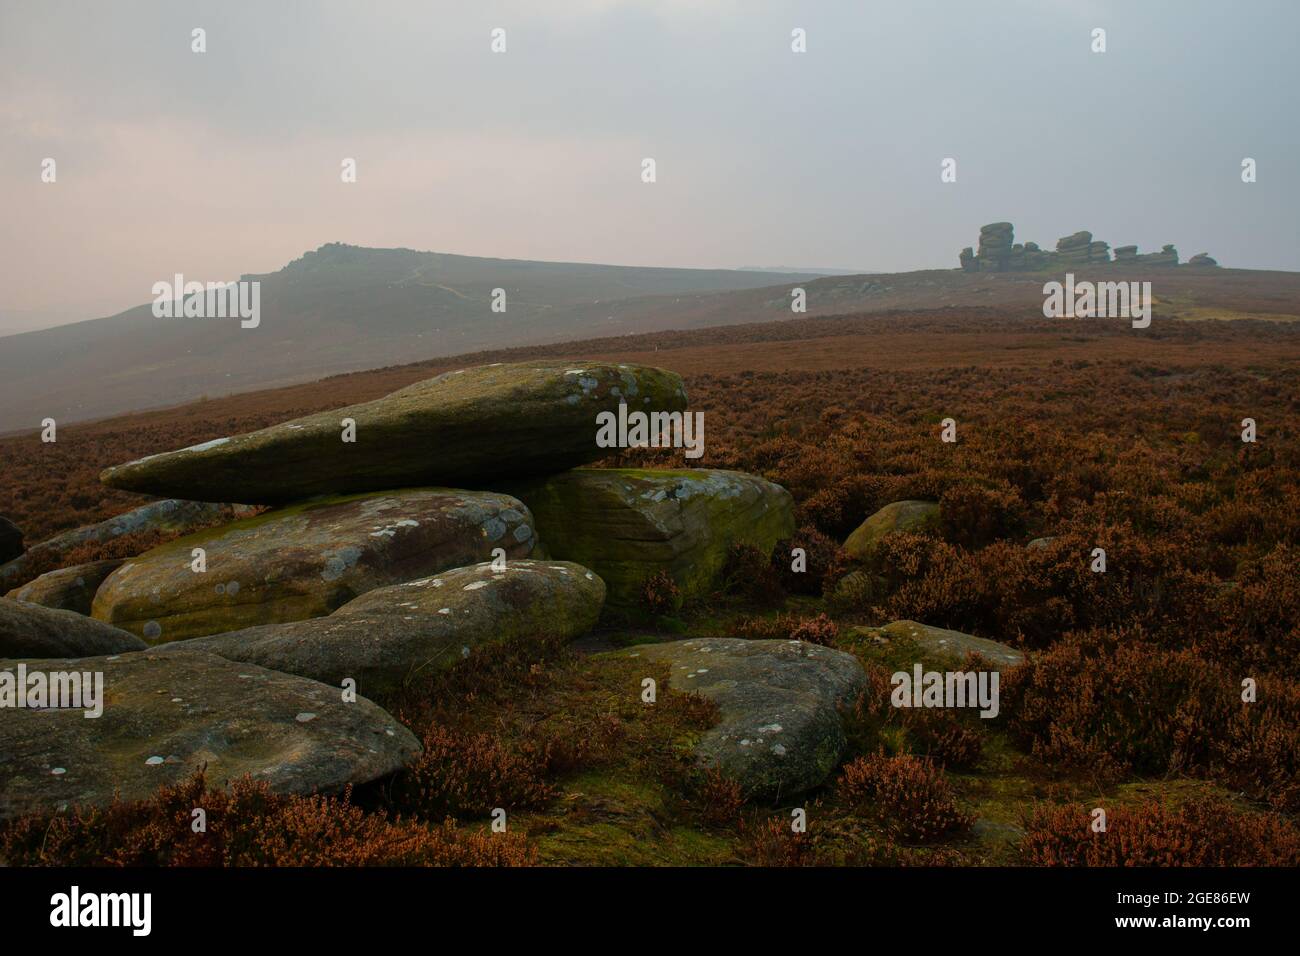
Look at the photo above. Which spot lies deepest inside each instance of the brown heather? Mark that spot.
(908, 794)
(1204, 832)
(820, 629)
(247, 826)
(1085, 432)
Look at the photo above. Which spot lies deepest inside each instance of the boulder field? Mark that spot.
(405, 535)
(307, 559)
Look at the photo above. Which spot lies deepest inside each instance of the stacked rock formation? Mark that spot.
(996, 243)
(1074, 250)
(998, 253)
(403, 535)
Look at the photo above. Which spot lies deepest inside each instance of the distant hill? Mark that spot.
(344, 308)
(338, 308)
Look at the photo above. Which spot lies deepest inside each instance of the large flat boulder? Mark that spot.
(780, 731)
(68, 589)
(627, 524)
(30, 630)
(917, 516)
(392, 635)
(308, 559)
(467, 428)
(163, 716)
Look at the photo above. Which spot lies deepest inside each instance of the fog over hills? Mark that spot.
(338, 308)
(345, 308)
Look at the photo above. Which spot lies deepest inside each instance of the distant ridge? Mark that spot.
(343, 308)
(334, 309)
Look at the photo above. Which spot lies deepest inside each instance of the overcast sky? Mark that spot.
(227, 162)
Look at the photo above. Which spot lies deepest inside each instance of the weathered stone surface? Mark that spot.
(391, 635)
(308, 559)
(1202, 259)
(30, 630)
(67, 589)
(780, 731)
(165, 715)
(467, 427)
(951, 644)
(1041, 544)
(11, 540)
(168, 515)
(627, 524)
(897, 516)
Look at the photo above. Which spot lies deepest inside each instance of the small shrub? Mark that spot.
(788, 627)
(771, 842)
(719, 798)
(907, 794)
(748, 573)
(826, 562)
(660, 594)
(469, 774)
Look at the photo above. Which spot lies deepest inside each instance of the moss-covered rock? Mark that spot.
(31, 630)
(468, 427)
(308, 559)
(164, 716)
(392, 635)
(627, 524)
(943, 643)
(67, 589)
(169, 515)
(780, 731)
(915, 516)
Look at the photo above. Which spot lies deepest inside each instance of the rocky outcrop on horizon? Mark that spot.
(998, 252)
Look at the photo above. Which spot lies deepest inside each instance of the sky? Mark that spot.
(229, 161)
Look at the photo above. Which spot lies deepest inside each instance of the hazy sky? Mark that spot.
(227, 162)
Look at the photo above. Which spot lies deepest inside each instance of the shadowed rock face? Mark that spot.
(67, 589)
(168, 515)
(11, 540)
(780, 731)
(391, 635)
(307, 560)
(626, 524)
(898, 516)
(468, 427)
(30, 630)
(165, 715)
